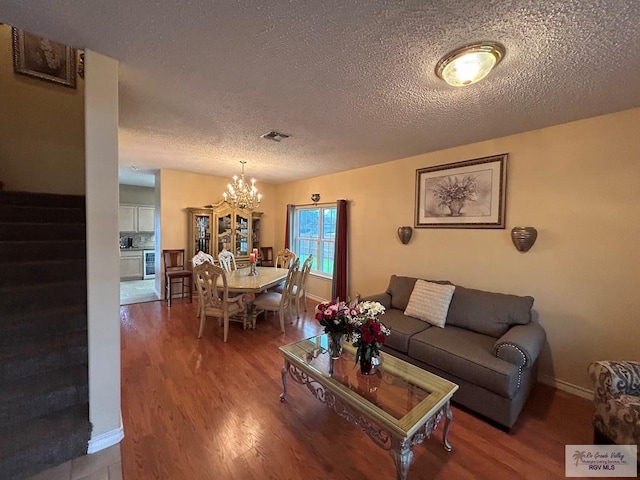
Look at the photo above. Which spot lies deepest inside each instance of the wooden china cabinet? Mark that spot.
(220, 226)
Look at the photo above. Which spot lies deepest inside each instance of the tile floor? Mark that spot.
(137, 291)
(103, 465)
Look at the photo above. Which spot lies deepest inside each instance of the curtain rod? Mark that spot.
(316, 204)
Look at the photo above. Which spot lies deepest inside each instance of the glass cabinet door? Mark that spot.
(202, 233)
(225, 233)
(242, 235)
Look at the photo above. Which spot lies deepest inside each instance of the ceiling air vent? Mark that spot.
(275, 136)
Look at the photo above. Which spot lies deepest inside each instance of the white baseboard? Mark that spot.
(316, 298)
(106, 440)
(566, 387)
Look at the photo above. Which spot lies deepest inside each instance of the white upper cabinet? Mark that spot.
(136, 218)
(146, 219)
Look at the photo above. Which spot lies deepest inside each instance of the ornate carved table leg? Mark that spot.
(285, 369)
(402, 455)
(447, 423)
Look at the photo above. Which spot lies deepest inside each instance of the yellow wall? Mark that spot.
(41, 130)
(180, 190)
(576, 183)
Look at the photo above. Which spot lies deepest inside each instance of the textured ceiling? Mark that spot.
(352, 82)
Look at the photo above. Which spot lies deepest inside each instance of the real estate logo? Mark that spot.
(601, 460)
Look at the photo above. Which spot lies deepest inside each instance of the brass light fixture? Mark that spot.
(469, 64)
(242, 195)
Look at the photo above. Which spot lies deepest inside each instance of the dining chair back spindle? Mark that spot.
(285, 258)
(299, 290)
(227, 260)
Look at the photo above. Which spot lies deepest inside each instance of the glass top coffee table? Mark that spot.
(398, 406)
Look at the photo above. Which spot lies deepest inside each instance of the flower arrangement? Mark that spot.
(357, 322)
(369, 333)
(336, 316)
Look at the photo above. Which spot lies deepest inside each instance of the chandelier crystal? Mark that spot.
(241, 194)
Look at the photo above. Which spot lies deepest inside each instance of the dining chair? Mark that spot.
(175, 270)
(284, 258)
(214, 300)
(299, 289)
(198, 259)
(276, 301)
(227, 260)
(266, 257)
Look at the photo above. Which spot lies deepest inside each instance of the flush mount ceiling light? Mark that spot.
(469, 64)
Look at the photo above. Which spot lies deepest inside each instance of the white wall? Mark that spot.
(103, 296)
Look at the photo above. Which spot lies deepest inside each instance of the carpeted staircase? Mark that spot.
(44, 407)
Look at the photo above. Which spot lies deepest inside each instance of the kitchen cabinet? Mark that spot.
(136, 218)
(127, 218)
(131, 264)
(146, 219)
(222, 226)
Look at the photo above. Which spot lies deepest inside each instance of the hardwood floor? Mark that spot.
(202, 409)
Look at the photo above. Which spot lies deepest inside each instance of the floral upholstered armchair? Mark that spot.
(617, 402)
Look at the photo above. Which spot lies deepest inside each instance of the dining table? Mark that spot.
(242, 281)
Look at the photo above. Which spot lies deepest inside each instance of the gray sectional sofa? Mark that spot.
(488, 346)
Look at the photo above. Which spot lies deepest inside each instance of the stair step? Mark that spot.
(27, 357)
(41, 199)
(45, 323)
(32, 250)
(37, 395)
(44, 442)
(23, 273)
(30, 298)
(42, 231)
(27, 214)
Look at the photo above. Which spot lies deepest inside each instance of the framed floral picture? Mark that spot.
(468, 194)
(45, 59)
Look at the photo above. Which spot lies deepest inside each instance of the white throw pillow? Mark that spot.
(429, 302)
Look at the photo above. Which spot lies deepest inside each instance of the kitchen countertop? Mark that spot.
(133, 249)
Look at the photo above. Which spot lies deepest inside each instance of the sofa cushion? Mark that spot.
(430, 302)
(402, 328)
(466, 355)
(400, 289)
(486, 312)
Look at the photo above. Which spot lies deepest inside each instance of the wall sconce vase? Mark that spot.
(523, 238)
(404, 234)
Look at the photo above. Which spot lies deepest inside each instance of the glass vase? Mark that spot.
(335, 340)
(366, 365)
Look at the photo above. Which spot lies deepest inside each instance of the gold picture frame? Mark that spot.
(39, 57)
(467, 194)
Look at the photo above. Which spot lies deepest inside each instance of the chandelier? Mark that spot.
(240, 194)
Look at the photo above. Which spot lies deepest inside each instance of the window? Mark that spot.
(314, 232)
